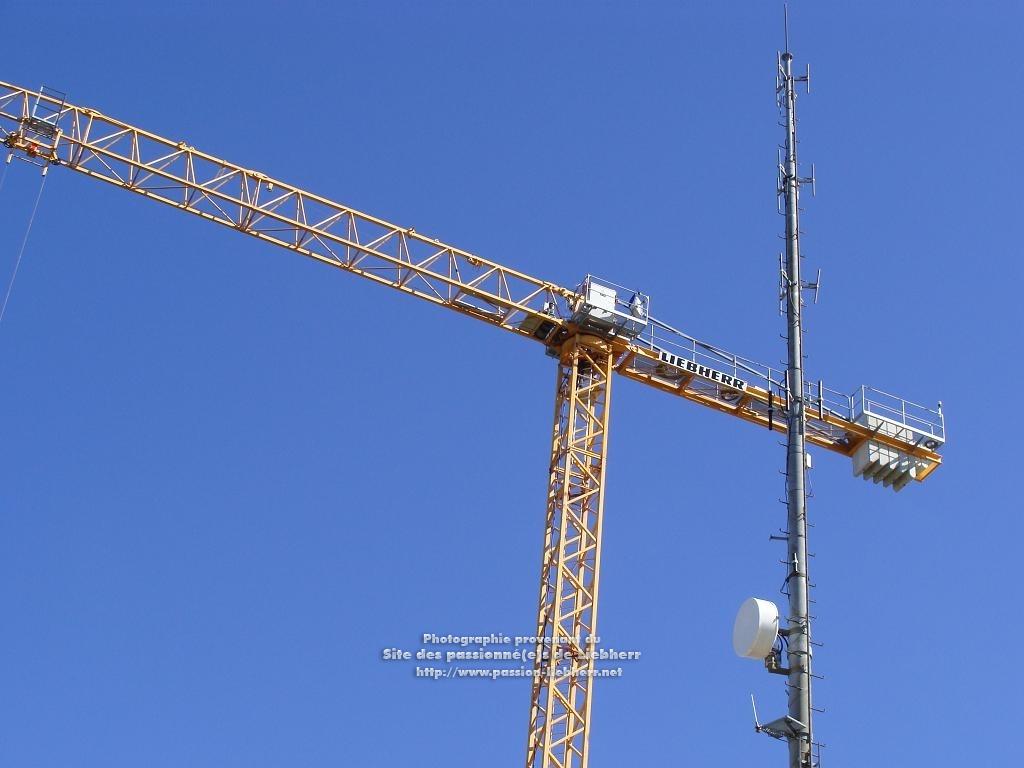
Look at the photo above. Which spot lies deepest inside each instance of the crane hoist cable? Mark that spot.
(24, 241)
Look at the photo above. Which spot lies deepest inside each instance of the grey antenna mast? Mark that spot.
(798, 632)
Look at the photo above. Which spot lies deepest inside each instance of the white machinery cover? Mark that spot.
(756, 627)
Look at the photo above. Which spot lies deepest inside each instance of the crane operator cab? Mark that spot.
(609, 310)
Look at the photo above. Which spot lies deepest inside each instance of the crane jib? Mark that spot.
(702, 371)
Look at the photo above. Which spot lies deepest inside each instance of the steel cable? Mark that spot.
(24, 243)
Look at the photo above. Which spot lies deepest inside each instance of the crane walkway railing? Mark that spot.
(819, 400)
(910, 422)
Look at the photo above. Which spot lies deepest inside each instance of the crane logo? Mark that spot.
(702, 370)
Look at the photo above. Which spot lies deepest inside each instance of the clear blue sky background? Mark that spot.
(231, 477)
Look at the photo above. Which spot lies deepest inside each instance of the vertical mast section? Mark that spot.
(570, 569)
(798, 631)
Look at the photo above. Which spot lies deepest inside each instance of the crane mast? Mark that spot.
(561, 698)
(594, 331)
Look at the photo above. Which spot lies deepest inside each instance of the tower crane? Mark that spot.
(594, 331)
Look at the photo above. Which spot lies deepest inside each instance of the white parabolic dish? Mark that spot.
(756, 627)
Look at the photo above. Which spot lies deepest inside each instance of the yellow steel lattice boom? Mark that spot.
(39, 126)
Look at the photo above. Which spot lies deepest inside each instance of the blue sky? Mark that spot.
(233, 477)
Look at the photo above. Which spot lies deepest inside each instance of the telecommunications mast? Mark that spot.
(798, 632)
(759, 632)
